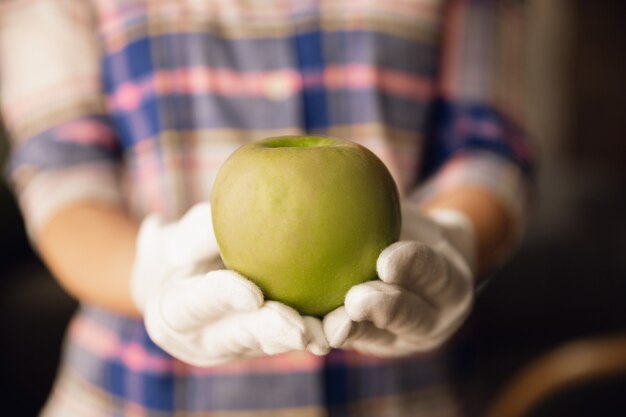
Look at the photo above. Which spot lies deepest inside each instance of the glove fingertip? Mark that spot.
(240, 293)
(362, 299)
(390, 257)
(337, 326)
(288, 328)
(318, 345)
(286, 314)
(317, 349)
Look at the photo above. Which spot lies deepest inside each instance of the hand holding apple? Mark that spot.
(304, 218)
(424, 294)
(208, 318)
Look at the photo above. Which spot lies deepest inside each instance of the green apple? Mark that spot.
(304, 217)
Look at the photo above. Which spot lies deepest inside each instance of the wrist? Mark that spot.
(493, 224)
(167, 250)
(148, 248)
(459, 230)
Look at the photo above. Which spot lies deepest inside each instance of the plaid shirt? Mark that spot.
(136, 103)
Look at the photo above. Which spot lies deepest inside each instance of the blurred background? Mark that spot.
(567, 283)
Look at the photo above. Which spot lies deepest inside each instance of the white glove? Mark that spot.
(209, 318)
(424, 294)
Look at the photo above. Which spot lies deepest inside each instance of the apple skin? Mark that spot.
(304, 217)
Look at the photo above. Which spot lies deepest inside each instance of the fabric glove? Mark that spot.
(424, 293)
(209, 318)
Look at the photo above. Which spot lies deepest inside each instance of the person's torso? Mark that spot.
(189, 81)
(186, 83)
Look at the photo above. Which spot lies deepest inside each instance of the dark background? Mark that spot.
(567, 282)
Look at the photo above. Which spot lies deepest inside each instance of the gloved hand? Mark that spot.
(424, 293)
(209, 318)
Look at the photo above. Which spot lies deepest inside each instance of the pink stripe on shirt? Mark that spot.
(398, 83)
(87, 132)
(226, 82)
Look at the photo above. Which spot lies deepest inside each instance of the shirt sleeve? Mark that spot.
(63, 147)
(477, 135)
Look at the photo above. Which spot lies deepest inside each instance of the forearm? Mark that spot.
(90, 248)
(492, 223)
